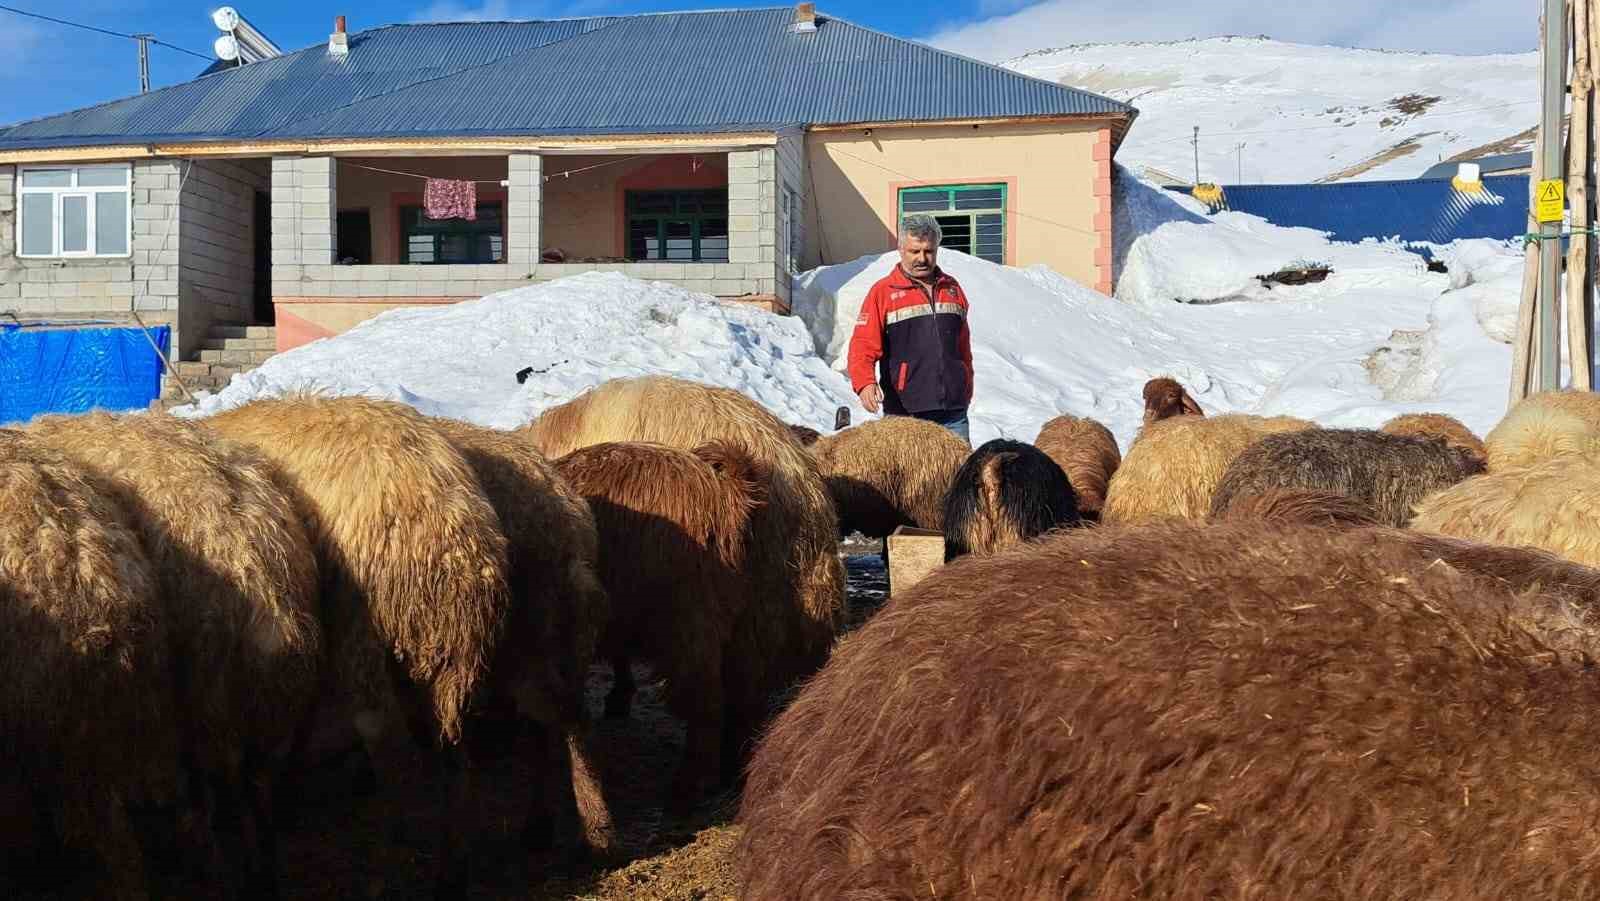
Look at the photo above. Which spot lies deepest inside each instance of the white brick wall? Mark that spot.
(524, 199)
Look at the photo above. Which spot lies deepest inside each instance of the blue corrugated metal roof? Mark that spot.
(1412, 211)
(651, 74)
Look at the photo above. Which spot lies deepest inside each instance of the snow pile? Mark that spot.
(1166, 250)
(1303, 112)
(460, 361)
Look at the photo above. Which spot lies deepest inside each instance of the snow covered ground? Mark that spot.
(1303, 112)
(461, 360)
(1381, 335)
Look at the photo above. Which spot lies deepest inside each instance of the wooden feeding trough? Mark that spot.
(912, 554)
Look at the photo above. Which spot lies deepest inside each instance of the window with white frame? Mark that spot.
(75, 211)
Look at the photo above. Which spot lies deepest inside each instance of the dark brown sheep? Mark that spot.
(1188, 712)
(1164, 398)
(1306, 506)
(890, 472)
(806, 435)
(1391, 473)
(1006, 493)
(87, 718)
(238, 587)
(675, 526)
(558, 611)
(795, 535)
(1087, 452)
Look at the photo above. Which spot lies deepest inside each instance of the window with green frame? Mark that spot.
(972, 217)
(688, 226)
(452, 240)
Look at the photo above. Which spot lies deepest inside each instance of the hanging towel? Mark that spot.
(445, 198)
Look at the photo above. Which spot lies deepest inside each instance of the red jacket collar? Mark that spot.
(901, 280)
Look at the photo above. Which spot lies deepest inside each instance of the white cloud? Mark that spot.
(507, 11)
(450, 11)
(1449, 26)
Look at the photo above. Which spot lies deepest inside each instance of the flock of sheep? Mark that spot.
(1253, 658)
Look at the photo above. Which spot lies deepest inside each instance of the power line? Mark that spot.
(1278, 131)
(115, 34)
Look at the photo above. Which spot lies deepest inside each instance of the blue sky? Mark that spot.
(47, 68)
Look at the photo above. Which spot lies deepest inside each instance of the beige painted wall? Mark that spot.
(855, 179)
(359, 188)
(581, 213)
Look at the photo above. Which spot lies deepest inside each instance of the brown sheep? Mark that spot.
(1174, 465)
(806, 435)
(1553, 505)
(1390, 473)
(890, 472)
(559, 609)
(1087, 452)
(676, 528)
(1544, 426)
(1304, 506)
(414, 566)
(1188, 712)
(1437, 425)
(795, 540)
(87, 718)
(1164, 398)
(238, 587)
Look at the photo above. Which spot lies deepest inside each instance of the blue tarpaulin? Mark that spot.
(73, 370)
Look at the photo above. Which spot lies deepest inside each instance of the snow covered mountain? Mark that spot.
(1302, 112)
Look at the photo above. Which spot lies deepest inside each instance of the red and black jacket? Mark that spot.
(920, 335)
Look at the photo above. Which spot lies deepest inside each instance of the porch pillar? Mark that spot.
(304, 211)
(525, 172)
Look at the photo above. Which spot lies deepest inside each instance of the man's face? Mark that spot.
(918, 256)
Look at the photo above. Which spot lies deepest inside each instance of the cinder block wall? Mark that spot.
(215, 254)
(85, 288)
(304, 276)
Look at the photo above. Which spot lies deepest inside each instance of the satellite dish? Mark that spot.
(226, 19)
(226, 47)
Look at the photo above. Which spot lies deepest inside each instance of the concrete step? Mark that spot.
(234, 357)
(215, 343)
(242, 331)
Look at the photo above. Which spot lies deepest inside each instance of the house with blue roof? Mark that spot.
(723, 151)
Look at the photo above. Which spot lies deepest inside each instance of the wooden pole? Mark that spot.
(1522, 356)
(1553, 62)
(1578, 155)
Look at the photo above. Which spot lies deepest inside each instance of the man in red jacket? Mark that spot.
(913, 330)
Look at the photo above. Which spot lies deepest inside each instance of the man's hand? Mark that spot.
(871, 396)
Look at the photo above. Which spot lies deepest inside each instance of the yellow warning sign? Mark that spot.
(1551, 199)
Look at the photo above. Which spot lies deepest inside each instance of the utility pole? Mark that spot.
(1239, 149)
(1554, 94)
(144, 61)
(1196, 142)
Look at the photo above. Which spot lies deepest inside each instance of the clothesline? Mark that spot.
(498, 181)
(481, 181)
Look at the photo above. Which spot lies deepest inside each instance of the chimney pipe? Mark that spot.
(338, 42)
(805, 17)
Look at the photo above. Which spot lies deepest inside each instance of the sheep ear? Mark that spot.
(1190, 407)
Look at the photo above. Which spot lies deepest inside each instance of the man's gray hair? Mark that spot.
(921, 225)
